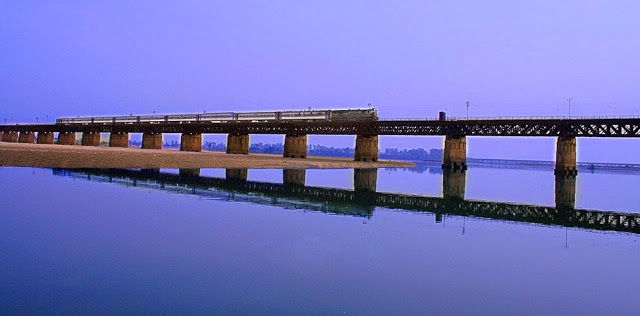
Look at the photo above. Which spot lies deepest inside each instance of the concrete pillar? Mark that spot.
(119, 140)
(295, 146)
(27, 137)
(237, 174)
(365, 179)
(191, 142)
(366, 148)
(453, 184)
(455, 153)
(90, 139)
(45, 138)
(66, 138)
(294, 176)
(10, 137)
(152, 171)
(566, 156)
(189, 173)
(238, 144)
(565, 191)
(152, 141)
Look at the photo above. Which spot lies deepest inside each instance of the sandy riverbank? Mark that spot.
(61, 156)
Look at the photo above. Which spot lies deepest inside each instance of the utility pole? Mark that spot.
(464, 224)
(569, 106)
(467, 110)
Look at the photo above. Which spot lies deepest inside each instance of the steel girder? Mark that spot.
(529, 127)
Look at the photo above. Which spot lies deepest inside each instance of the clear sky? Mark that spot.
(407, 58)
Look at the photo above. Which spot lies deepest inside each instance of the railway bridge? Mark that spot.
(455, 131)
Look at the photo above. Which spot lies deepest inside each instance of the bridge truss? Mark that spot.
(620, 127)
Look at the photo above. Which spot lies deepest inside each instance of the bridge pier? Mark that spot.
(237, 174)
(238, 144)
(294, 176)
(66, 138)
(189, 173)
(119, 139)
(191, 142)
(365, 179)
(453, 184)
(151, 140)
(295, 146)
(90, 139)
(366, 148)
(10, 137)
(566, 156)
(455, 153)
(45, 138)
(151, 172)
(565, 190)
(27, 137)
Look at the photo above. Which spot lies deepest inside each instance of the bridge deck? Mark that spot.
(616, 127)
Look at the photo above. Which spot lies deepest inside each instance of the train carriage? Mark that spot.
(77, 120)
(257, 116)
(102, 119)
(182, 118)
(151, 118)
(66, 120)
(304, 115)
(217, 117)
(126, 119)
(354, 115)
(82, 120)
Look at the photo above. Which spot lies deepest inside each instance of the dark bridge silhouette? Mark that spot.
(366, 131)
(363, 200)
(579, 127)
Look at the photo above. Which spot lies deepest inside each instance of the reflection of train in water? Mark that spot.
(315, 115)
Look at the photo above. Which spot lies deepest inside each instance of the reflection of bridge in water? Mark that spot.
(292, 193)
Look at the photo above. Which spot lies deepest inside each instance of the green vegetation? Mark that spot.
(319, 150)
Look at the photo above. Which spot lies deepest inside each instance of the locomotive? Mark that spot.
(223, 117)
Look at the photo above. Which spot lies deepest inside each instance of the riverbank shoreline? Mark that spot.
(64, 156)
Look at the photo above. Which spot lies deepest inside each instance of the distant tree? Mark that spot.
(416, 154)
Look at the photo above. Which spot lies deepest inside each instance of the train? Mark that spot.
(224, 117)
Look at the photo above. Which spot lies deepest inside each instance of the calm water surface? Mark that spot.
(133, 241)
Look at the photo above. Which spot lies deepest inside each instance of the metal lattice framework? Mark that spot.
(619, 127)
(362, 203)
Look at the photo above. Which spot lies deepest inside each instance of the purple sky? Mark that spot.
(409, 59)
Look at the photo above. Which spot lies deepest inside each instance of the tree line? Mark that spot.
(319, 150)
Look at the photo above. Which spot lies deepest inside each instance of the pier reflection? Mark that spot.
(150, 171)
(365, 179)
(237, 174)
(193, 172)
(453, 184)
(565, 191)
(362, 201)
(294, 176)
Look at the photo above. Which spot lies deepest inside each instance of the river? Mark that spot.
(387, 241)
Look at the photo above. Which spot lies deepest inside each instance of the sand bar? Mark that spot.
(63, 156)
